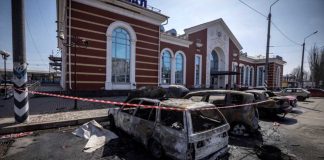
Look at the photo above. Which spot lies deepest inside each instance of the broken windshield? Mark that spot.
(204, 120)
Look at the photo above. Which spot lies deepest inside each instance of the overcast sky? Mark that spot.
(295, 18)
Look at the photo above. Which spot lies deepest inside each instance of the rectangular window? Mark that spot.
(197, 70)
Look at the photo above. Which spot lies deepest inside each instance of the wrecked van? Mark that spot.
(182, 132)
(244, 120)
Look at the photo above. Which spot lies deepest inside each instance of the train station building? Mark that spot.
(127, 47)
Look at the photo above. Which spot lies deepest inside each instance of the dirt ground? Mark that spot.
(299, 136)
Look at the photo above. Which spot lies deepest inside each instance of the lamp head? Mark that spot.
(315, 32)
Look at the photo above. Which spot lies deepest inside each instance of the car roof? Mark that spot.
(256, 91)
(219, 91)
(184, 104)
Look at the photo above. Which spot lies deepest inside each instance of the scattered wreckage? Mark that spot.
(272, 104)
(243, 119)
(186, 133)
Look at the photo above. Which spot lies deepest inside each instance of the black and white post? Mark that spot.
(21, 105)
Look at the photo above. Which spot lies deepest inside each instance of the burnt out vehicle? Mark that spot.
(178, 128)
(244, 120)
(272, 104)
(292, 99)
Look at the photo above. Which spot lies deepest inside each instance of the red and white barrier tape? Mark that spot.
(138, 105)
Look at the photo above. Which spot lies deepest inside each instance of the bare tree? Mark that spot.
(316, 64)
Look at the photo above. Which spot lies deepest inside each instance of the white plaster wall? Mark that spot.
(214, 41)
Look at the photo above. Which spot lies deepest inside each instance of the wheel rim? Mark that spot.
(239, 129)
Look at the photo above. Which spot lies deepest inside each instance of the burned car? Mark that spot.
(244, 120)
(292, 99)
(178, 128)
(301, 94)
(272, 105)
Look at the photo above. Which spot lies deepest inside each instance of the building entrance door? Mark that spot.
(214, 82)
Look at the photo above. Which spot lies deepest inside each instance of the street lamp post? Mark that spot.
(5, 55)
(76, 42)
(302, 62)
(268, 45)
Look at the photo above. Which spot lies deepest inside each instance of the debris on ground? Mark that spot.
(97, 136)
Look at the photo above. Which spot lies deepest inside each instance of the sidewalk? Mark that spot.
(52, 120)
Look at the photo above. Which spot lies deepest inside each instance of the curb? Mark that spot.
(49, 125)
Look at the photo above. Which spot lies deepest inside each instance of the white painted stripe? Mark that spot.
(20, 97)
(22, 111)
(145, 69)
(146, 63)
(86, 56)
(20, 82)
(88, 65)
(144, 76)
(88, 73)
(147, 49)
(143, 55)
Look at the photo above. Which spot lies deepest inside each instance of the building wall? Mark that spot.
(202, 35)
(91, 24)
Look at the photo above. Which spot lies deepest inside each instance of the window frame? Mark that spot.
(197, 85)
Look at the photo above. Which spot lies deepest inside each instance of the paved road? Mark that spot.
(299, 136)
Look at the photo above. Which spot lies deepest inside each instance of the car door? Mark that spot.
(144, 122)
(171, 132)
(125, 117)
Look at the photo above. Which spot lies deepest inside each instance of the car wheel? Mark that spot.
(156, 149)
(239, 129)
(300, 98)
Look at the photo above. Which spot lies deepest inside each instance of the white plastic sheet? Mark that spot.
(97, 135)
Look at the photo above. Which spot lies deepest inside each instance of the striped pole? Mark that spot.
(21, 106)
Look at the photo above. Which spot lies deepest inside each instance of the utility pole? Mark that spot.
(21, 105)
(267, 50)
(302, 62)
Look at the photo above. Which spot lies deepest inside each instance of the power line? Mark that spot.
(253, 9)
(282, 33)
(33, 41)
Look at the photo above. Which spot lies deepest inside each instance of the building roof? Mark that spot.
(211, 23)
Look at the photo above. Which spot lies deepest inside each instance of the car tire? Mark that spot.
(300, 98)
(156, 149)
(239, 129)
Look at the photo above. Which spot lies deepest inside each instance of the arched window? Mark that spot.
(214, 61)
(166, 67)
(120, 50)
(179, 69)
(120, 53)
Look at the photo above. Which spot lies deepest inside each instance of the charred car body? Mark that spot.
(299, 93)
(272, 104)
(243, 119)
(181, 130)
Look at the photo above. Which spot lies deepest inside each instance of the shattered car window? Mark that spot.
(130, 109)
(146, 113)
(196, 98)
(205, 120)
(173, 119)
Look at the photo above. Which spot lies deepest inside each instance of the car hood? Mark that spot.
(291, 98)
